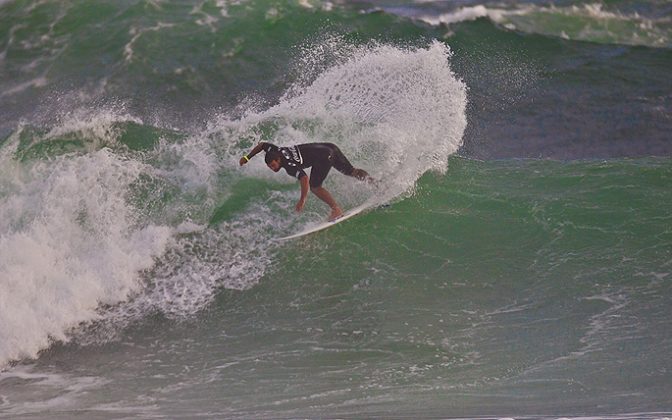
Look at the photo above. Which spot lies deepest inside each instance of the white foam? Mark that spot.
(234, 256)
(49, 391)
(68, 243)
(199, 259)
(305, 4)
(98, 127)
(463, 14)
(207, 19)
(37, 82)
(136, 33)
(223, 5)
(596, 23)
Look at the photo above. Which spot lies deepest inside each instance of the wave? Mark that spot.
(587, 22)
(107, 219)
(68, 243)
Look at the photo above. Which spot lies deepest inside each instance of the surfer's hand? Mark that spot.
(243, 161)
(299, 205)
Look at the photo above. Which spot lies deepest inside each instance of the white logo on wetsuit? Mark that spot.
(292, 154)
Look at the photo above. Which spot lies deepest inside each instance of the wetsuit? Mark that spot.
(320, 156)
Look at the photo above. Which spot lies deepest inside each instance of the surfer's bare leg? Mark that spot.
(324, 195)
(343, 165)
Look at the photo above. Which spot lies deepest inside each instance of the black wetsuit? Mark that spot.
(320, 156)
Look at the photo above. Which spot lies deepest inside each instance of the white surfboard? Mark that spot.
(324, 225)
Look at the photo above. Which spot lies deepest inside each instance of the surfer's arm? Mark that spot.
(258, 148)
(305, 187)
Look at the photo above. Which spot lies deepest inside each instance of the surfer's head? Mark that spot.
(273, 160)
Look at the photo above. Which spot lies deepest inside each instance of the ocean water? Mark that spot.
(515, 263)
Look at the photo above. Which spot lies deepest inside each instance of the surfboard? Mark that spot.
(324, 225)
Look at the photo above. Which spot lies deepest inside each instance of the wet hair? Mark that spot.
(272, 155)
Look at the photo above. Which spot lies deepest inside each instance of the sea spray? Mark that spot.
(397, 112)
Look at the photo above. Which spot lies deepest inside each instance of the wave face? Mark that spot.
(514, 260)
(90, 222)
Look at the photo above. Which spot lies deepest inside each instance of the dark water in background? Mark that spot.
(522, 267)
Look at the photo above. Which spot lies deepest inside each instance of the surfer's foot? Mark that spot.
(373, 182)
(336, 212)
(362, 175)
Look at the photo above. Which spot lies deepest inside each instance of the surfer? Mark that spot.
(320, 156)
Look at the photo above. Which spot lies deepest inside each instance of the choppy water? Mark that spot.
(516, 261)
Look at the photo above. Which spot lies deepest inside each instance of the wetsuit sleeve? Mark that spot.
(267, 147)
(258, 148)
